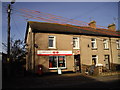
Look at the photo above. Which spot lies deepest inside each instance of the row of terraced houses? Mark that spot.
(71, 49)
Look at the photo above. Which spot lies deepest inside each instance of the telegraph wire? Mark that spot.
(84, 37)
(16, 26)
(18, 12)
(13, 25)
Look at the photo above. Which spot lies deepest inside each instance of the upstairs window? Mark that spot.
(118, 44)
(51, 42)
(93, 43)
(105, 44)
(75, 42)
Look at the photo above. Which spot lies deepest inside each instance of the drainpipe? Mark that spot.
(34, 51)
(111, 53)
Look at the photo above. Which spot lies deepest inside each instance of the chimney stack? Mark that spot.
(112, 27)
(92, 24)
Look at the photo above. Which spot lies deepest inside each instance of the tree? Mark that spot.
(17, 58)
(118, 30)
(17, 50)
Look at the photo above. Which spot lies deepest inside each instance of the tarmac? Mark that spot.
(69, 80)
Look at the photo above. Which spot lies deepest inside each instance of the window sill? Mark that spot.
(106, 48)
(118, 48)
(52, 48)
(57, 68)
(94, 48)
(76, 48)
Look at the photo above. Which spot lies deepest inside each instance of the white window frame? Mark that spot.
(77, 46)
(118, 44)
(57, 64)
(118, 57)
(95, 43)
(54, 42)
(105, 44)
(96, 59)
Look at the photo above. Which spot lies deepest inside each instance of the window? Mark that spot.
(118, 58)
(57, 61)
(61, 61)
(118, 44)
(107, 61)
(105, 43)
(51, 42)
(75, 42)
(52, 62)
(94, 59)
(93, 43)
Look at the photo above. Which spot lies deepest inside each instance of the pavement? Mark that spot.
(70, 80)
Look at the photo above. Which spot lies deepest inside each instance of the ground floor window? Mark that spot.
(94, 59)
(107, 61)
(57, 61)
(119, 58)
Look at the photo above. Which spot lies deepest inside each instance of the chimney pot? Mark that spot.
(112, 27)
(92, 24)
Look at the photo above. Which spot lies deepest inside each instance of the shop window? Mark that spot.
(75, 42)
(51, 42)
(52, 62)
(56, 62)
(61, 61)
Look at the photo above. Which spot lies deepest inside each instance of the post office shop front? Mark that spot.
(54, 59)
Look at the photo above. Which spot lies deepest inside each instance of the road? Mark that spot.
(72, 80)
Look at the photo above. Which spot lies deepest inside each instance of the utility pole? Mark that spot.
(8, 42)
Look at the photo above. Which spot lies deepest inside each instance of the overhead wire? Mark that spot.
(71, 19)
(90, 11)
(20, 12)
(42, 18)
(4, 24)
(113, 41)
(59, 19)
(17, 29)
(15, 25)
(53, 17)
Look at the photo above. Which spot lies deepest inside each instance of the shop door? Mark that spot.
(107, 62)
(77, 63)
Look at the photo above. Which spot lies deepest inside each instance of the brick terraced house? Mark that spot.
(71, 48)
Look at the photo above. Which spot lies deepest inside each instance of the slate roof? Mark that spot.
(69, 29)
